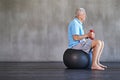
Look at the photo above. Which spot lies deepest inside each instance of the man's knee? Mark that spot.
(97, 43)
(102, 43)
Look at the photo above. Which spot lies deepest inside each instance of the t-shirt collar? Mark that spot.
(78, 20)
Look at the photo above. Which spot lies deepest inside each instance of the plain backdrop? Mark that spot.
(36, 30)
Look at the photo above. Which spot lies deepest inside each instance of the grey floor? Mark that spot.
(55, 71)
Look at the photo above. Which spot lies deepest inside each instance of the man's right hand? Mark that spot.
(91, 35)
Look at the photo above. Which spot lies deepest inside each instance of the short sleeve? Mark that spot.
(75, 29)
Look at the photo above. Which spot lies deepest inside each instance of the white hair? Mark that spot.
(80, 11)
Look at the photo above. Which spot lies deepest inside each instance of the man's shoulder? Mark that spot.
(73, 22)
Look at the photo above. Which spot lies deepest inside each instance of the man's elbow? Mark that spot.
(76, 37)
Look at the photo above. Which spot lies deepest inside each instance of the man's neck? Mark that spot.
(80, 19)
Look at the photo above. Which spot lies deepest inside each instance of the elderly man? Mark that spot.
(79, 40)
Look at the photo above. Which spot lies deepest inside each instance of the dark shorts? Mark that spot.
(85, 46)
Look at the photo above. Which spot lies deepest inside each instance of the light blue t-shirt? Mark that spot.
(75, 28)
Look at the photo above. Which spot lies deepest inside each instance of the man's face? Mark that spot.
(83, 16)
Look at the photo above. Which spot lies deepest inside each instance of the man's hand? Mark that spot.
(91, 35)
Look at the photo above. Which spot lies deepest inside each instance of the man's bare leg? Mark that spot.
(102, 46)
(96, 50)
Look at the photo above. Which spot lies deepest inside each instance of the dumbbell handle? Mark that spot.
(93, 32)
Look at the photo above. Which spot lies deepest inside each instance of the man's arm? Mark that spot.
(78, 37)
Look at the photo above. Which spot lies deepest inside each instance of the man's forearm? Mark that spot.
(77, 37)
